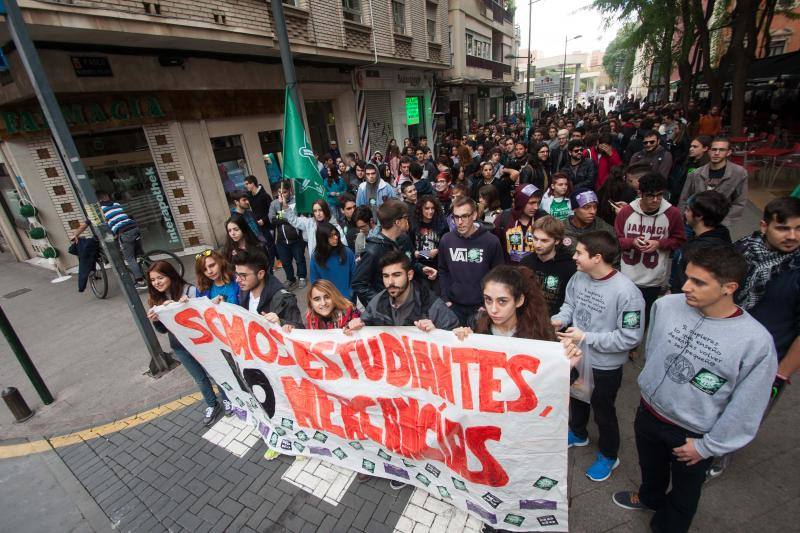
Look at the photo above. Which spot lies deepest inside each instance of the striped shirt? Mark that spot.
(116, 217)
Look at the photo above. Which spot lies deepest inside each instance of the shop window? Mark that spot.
(351, 10)
(10, 199)
(272, 150)
(776, 48)
(399, 16)
(231, 162)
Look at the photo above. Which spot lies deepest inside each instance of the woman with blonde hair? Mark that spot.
(214, 278)
(327, 308)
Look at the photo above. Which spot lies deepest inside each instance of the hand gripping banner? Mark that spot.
(480, 424)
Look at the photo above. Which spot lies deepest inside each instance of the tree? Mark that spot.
(619, 58)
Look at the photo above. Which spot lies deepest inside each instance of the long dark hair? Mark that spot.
(250, 240)
(333, 174)
(176, 286)
(324, 251)
(437, 209)
(326, 209)
(611, 191)
(533, 316)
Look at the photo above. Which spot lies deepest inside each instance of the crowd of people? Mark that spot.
(588, 228)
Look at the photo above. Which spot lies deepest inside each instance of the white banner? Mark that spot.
(481, 424)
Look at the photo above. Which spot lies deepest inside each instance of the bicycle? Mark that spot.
(98, 278)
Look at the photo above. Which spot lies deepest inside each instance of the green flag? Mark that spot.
(299, 163)
(528, 119)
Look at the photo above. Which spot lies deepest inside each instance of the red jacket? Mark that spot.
(604, 165)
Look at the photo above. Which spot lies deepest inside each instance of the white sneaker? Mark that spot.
(301, 283)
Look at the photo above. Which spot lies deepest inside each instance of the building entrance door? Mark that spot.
(321, 125)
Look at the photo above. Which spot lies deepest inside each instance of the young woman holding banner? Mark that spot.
(165, 286)
(327, 308)
(514, 306)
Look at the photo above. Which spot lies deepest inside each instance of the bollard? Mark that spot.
(17, 404)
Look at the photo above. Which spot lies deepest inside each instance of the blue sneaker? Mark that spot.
(601, 468)
(572, 440)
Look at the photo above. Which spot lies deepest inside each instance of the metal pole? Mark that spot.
(528, 72)
(563, 72)
(24, 359)
(286, 52)
(160, 362)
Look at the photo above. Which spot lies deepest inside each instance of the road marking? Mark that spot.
(37, 446)
(321, 479)
(426, 512)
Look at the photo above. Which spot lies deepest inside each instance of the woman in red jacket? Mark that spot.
(605, 157)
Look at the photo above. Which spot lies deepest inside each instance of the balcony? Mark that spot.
(499, 13)
(498, 69)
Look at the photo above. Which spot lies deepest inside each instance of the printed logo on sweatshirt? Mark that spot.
(631, 319)
(583, 319)
(466, 255)
(550, 283)
(708, 382)
(679, 369)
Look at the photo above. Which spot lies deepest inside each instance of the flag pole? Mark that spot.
(285, 49)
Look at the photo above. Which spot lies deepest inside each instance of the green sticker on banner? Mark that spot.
(444, 492)
(514, 520)
(383, 455)
(288, 424)
(279, 431)
(408, 463)
(338, 452)
(273, 440)
(301, 435)
(322, 437)
(457, 483)
(356, 445)
(299, 446)
(423, 479)
(545, 483)
(368, 465)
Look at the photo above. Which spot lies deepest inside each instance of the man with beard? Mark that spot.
(373, 191)
(581, 170)
(659, 158)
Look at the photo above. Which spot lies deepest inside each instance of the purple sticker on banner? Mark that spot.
(537, 504)
(529, 189)
(318, 450)
(263, 429)
(241, 414)
(395, 470)
(586, 197)
(486, 515)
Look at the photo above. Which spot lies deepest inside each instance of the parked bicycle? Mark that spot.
(98, 277)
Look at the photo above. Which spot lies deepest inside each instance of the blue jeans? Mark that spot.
(296, 251)
(199, 375)
(127, 241)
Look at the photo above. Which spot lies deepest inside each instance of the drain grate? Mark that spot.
(14, 294)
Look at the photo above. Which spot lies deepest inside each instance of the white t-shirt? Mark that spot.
(252, 304)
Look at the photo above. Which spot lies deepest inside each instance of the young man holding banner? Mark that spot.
(263, 293)
(403, 303)
(605, 310)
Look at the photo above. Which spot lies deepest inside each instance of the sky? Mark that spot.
(554, 19)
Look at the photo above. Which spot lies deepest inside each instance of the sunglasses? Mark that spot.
(204, 253)
(649, 142)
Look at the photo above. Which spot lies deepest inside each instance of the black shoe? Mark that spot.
(291, 285)
(211, 414)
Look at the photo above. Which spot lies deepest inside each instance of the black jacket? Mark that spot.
(426, 306)
(367, 281)
(259, 204)
(719, 236)
(276, 299)
(558, 158)
(553, 276)
(583, 175)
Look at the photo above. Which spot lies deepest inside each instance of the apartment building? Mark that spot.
(479, 81)
(173, 102)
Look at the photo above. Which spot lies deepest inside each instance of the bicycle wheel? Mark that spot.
(148, 258)
(98, 280)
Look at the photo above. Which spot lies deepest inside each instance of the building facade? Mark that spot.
(480, 77)
(173, 103)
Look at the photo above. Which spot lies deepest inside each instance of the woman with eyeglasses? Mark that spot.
(214, 279)
(541, 166)
(164, 287)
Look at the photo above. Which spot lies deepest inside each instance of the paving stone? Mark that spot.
(328, 524)
(240, 520)
(293, 523)
(223, 523)
(362, 518)
(277, 509)
(260, 514)
(177, 493)
(189, 521)
(250, 499)
(230, 507)
(210, 514)
(312, 514)
(202, 501)
(196, 487)
(215, 481)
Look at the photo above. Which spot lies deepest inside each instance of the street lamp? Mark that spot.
(528, 71)
(564, 67)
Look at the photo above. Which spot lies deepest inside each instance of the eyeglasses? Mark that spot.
(649, 142)
(653, 195)
(459, 218)
(204, 253)
(243, 276)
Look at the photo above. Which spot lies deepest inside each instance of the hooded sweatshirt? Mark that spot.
(665, 225)
(553, 276)
(464, 261)
(708, 375)
(611, 313)
(719, 236)
(516, 238)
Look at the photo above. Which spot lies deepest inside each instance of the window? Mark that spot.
(430, 10)
(478, 46)
(231, 162)
(272, 149)
(399, 15)
(351, 9)
(776, 48)
(292, 3)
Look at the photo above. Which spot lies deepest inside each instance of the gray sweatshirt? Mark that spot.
(610, 311)
(708, 375)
